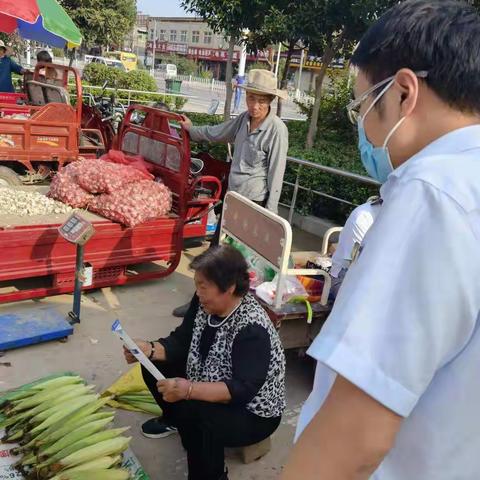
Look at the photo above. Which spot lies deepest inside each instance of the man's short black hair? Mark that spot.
(441, 37)
(225, 266)
(3, 48)
(44, 57)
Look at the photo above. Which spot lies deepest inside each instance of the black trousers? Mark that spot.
(207, 428)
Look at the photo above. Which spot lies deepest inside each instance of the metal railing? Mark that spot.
(128, 97)
(303, 164)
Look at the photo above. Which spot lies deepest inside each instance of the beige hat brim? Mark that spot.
(277, 93)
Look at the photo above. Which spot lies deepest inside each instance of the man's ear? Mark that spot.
(407, 85)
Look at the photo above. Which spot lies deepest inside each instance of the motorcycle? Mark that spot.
(103, 113)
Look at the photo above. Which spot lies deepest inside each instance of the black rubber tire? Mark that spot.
(8, 176)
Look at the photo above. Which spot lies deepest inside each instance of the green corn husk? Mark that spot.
(110, 474)
(57, 434)
(97, 464)
(79, 415)
(74, 436)
(154, 409)
(113, 446)
(84, 443)
(64, 412)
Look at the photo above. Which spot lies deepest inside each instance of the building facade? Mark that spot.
(193, 39)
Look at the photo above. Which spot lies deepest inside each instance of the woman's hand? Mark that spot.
(144, 346)
(174, 389)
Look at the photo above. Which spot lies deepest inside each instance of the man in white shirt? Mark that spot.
(397, 386)
(351, 238)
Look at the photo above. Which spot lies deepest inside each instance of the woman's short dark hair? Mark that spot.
(439, 36)
(225, 266)
(44, 57)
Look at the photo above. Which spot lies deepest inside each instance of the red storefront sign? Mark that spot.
(200, 53)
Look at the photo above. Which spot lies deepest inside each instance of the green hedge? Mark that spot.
(97, 74)
(335, 147)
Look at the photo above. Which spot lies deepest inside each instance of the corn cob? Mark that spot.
(146, 407)
(80, 414)
(104, 474)
(84, 443)
(43, 415)
(69, 426)
(57, 382)
(98, 464)
(75, 436)
(113, 446)
(39, 398)
(64, 412)
(76, 391)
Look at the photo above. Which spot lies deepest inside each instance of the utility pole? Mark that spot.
(154, 46)
(300, 71)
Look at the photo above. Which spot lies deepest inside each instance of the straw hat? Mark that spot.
(263, 82)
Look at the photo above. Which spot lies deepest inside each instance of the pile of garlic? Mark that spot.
(23, 203)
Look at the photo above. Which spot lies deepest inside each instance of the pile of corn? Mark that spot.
(141, 401)
(60, 425)
(22, 203)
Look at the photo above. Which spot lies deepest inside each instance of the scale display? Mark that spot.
(77, 230)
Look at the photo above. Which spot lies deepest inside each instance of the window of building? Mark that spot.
(162, 36)
(207, 37)
(173, 35)
(195, 36)
(183, 36)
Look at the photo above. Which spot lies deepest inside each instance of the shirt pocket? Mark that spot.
(253, 159)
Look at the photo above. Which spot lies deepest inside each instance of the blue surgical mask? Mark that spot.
(376, 160)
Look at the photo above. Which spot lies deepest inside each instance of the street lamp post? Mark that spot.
(154, 47)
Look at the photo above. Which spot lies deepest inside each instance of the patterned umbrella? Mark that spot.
(41, 20)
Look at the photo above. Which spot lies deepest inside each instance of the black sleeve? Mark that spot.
(178, 342)
(250, 363)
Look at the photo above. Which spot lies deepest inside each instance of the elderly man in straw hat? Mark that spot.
(261, 142)
(261, 145)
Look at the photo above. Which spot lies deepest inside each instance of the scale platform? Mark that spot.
(20, 327)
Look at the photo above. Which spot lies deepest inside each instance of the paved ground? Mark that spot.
(95, 354)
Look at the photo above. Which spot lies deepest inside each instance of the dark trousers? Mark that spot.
(207, 428)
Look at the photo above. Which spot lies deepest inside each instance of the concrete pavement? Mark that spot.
(95, 354)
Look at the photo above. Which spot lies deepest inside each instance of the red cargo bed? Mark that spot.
(35, 261)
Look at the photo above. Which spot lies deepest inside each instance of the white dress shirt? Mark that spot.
(405, 325)
(354, 231)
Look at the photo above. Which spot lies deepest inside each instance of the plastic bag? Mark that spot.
(259, 271)
(127, 388)
(293, 288)
(136, 161)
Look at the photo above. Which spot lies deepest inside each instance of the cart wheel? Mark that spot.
(8, 177)
(63, 340)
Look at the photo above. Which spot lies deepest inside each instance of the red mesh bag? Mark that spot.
(134, 203)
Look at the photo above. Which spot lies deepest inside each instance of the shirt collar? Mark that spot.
(266, 123)
(457, 141)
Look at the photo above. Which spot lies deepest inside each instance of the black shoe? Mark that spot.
(181, 311)
(224, 476)
(156, 428)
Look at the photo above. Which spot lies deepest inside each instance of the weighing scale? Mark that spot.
(28, 325)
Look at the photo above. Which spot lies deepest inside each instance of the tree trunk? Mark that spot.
(284, 81)
(228, 79)
(313, 127)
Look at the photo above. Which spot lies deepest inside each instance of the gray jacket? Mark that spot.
(259, 158)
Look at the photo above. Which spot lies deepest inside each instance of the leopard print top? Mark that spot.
(270, 399)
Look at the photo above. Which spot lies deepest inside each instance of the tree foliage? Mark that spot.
(230, 17)
(102, 22)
